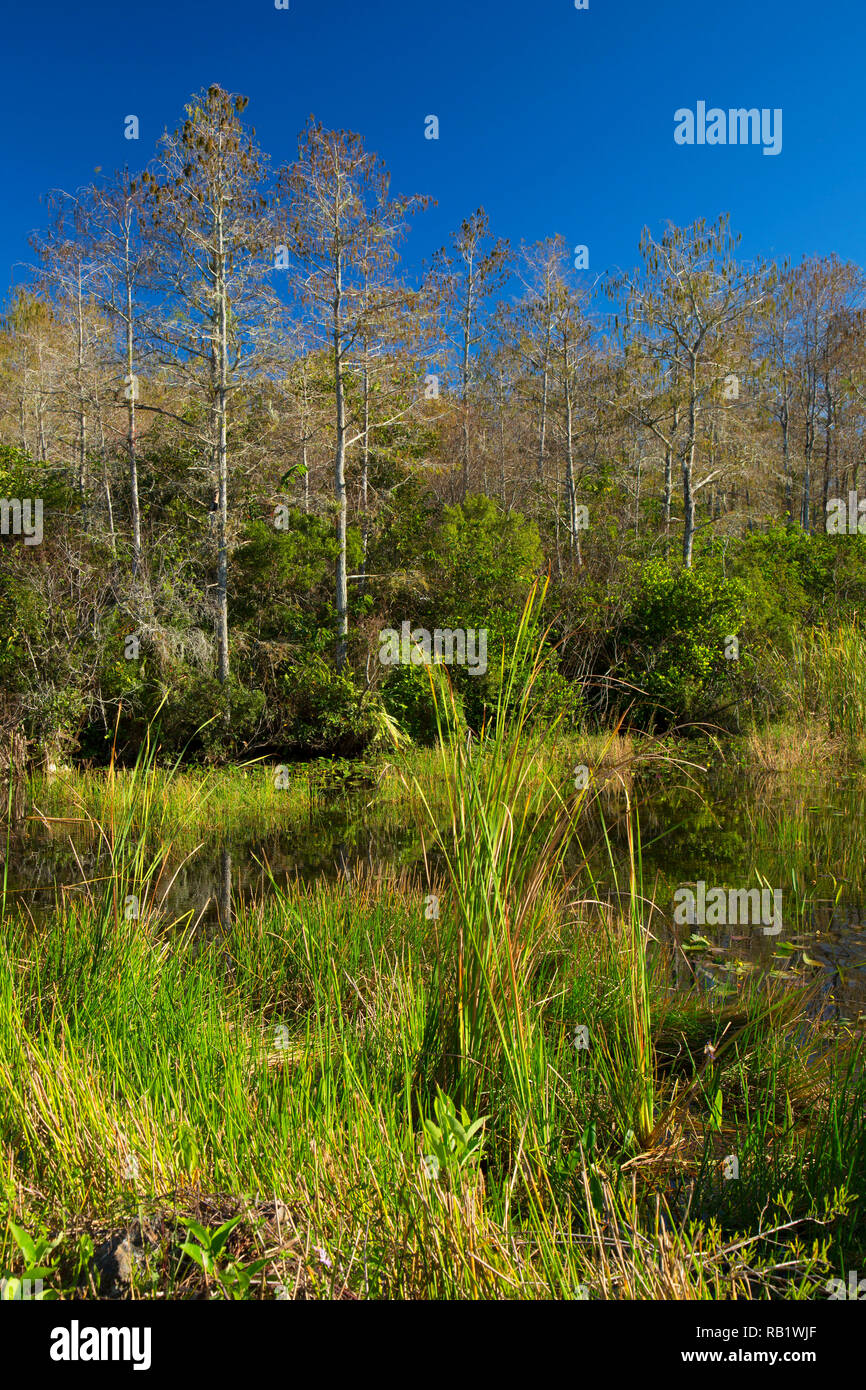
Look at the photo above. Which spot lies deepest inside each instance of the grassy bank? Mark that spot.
(483, 1085)
(285, 1073)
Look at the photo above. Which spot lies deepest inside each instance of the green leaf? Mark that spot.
(201, 1233)
(25, 1243)
(195, 1252)
(219, 1238)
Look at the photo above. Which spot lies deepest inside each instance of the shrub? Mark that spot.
(675, 636)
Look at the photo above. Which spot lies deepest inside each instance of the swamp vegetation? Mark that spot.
(474, 1059)
(329, 976)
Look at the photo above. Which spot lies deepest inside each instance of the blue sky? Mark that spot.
(556, 120)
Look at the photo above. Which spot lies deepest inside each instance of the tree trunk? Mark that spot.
(106, 480)
(82, 402)
(130, 426)
(573, 542)
(365, 467)
(502, 438)
(342, 595)
(222, 460)
(668, 484)
(807, 487)
(467, 333)
(13, 775)
(688, 466)
(304, 430)
(542, 431)
(828, 443)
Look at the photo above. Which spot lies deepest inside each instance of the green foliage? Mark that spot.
(283, 579)
(408, 696)
(206, 1251)
(195, 715)
(322, 708)
(21, 476)
(54, 718)
(484, 562)
(795, 580)
(675, 635)
(647, 623)
(456, 1142)
(40, 1262)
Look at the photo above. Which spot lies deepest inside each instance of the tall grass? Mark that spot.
(274, 1068)
(302, 1067)
(502, 843)
(626, 1055)
(827, 677)
(252, 799)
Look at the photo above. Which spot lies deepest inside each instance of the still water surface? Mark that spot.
(801, 834)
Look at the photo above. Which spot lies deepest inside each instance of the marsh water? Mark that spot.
(800, 834)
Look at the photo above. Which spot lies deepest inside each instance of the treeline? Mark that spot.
(258, 441)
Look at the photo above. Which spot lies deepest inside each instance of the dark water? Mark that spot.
(802, 835)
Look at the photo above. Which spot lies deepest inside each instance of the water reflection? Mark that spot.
(800, 834)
